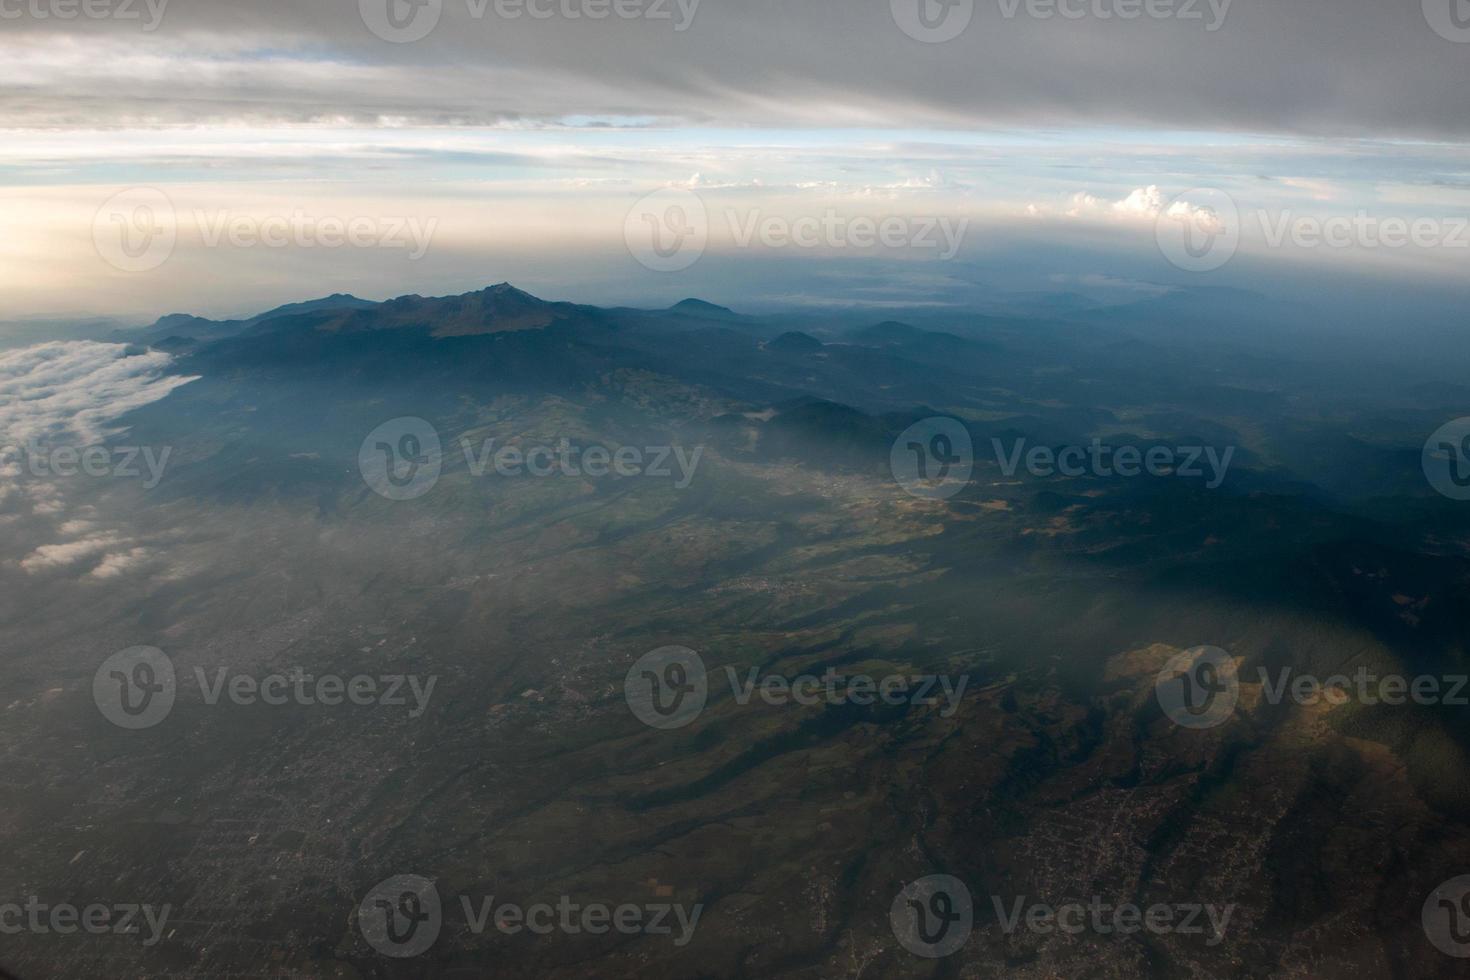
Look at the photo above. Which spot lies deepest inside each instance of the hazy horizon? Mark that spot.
(473, 142)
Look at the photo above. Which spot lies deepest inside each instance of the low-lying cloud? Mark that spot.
(76, 390)
(70, 394)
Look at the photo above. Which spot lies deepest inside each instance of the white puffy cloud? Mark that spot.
(1142, 204)
(45, 499)
(119, 563)
(49, 557)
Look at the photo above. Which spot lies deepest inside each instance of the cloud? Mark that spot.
(1375, 68)
(70, 394)
(1317, 190)
(45, 499)
(118, 556)
(119, 563)
(49, 557)
(1106, 283)
(76, 390)
(1142, 204)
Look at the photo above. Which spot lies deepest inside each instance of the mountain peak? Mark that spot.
(336, 301)
(507, 290)
(494, 309)
(699, 307)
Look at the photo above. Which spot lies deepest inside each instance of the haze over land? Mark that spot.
(778, 540)
(734, 488)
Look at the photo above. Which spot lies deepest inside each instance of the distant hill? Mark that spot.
(825, 433)
(336, 301)
(893, 333)
(698, 307)
(176, 329)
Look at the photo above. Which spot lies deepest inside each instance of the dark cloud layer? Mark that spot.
(1320, 67)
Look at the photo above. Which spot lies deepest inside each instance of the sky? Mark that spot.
(220, 157)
